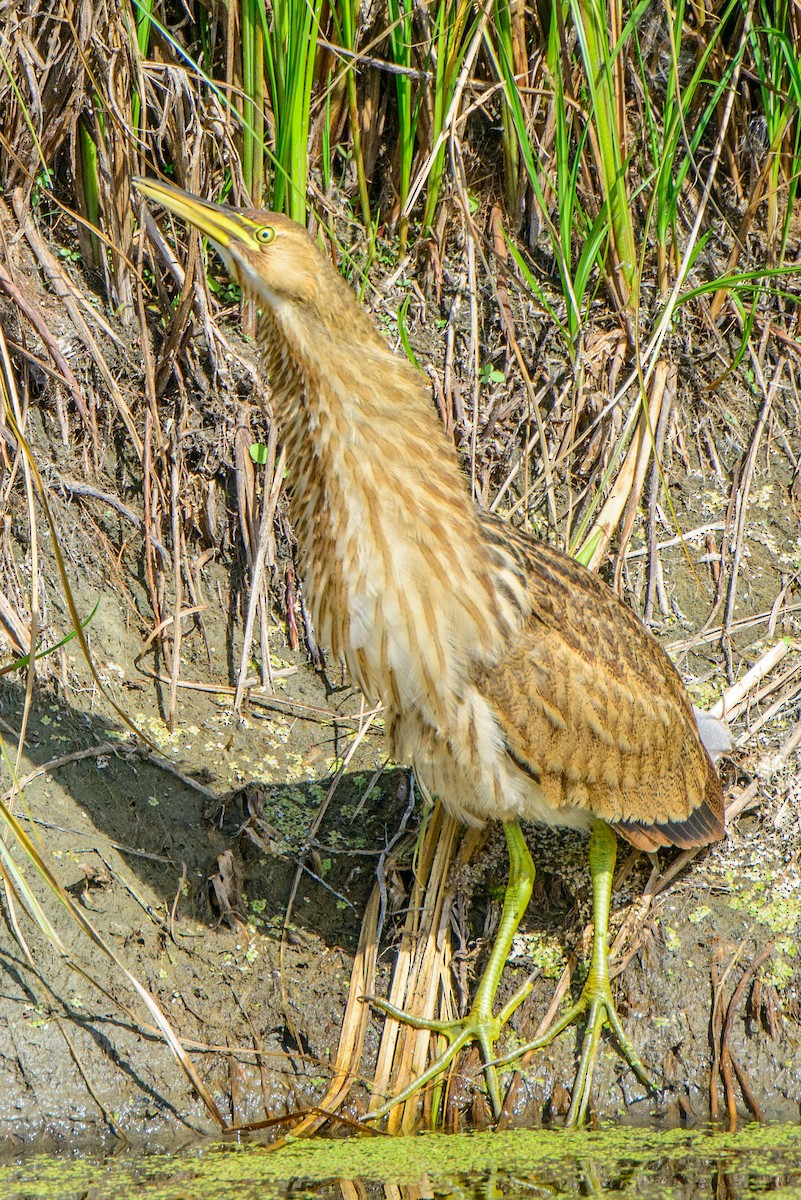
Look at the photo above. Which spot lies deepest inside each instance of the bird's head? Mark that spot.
(271, 257)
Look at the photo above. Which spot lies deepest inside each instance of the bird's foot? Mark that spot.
(479, 1025)
(595, 1000)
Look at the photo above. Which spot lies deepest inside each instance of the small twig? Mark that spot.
(707, 636)
(177, 574)
(264, 556)
(75, 488)
(108, 1116)
(724, 1060)
(732, 702)
(176, 900)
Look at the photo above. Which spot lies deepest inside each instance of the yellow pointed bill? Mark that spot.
(221, 224)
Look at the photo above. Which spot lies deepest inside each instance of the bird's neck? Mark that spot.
(402, 581)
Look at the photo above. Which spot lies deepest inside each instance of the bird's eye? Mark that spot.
(265, 234)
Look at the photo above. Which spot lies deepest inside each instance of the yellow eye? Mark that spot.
(265, 234)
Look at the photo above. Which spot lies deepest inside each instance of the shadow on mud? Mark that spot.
(189, 883)
(214, 854)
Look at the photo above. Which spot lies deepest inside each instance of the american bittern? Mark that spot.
(517, 683)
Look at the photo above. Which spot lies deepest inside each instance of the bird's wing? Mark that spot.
(594, 711)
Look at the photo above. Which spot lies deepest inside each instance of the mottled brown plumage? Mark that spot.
(614, 732)
(515, 680)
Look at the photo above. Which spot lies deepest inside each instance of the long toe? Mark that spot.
(602, 1012)
(586, 1068)
(475, 1027)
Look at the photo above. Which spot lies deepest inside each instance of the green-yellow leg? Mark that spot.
(596, 997)
(479, 1025)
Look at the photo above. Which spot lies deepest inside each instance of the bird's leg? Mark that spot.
(479, 1025)
(596, 997)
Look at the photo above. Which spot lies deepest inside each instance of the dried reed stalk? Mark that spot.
(421, 981)
(354, 1025)
(628, 485)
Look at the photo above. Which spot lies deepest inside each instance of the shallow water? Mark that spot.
(651, 1165)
